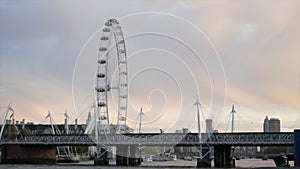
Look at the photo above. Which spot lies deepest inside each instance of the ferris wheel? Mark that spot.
(112, 40)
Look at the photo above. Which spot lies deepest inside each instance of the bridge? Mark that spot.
(124, 143)
(40, 143)
(160, 139)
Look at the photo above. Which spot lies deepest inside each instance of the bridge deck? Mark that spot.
(165, 139)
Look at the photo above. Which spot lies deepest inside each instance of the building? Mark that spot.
(186, 149)
(185, 130)
(178, 149)
(271, 125)
(266, 124)
(274, 125)
(112, 128)
(209, 127)
(178, 131)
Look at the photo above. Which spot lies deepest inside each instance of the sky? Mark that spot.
(245, 53)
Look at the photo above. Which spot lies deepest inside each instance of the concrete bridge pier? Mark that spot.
(25, 154)
(223, 157)
(122, 156)
(28, 154)
(133, 157)
(205, 161)
(101, 158)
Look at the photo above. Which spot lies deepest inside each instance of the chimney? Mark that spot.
(8, 122)
(23, 123)
(75, 124)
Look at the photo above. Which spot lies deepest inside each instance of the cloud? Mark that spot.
(258, 42)
(32, 97)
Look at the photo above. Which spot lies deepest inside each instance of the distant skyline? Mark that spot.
(248, 55)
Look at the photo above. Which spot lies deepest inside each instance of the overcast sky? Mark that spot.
(245, 53)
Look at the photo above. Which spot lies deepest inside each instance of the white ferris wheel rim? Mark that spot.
(112, 30)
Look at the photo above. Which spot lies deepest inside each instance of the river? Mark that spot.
(180, 164)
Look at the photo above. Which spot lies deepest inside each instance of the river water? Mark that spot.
(179, 164)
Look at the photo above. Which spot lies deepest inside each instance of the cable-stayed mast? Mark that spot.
(141, 114)
(232, 118)
(197, 103)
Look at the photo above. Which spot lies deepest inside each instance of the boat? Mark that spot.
(164, 157)
(67, 159)
(159, 158)
(172, 157)
(283, 160)
(147, 158)
(265, 157)
(188, 158)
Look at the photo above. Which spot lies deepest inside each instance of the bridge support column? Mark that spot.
(133, 157)
(205, 161)
(139, 161)
(101, 157)
(223, 156)
(122, 156)
(297, 147)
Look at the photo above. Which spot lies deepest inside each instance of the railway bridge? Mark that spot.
(159, 139)
(128, 144)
